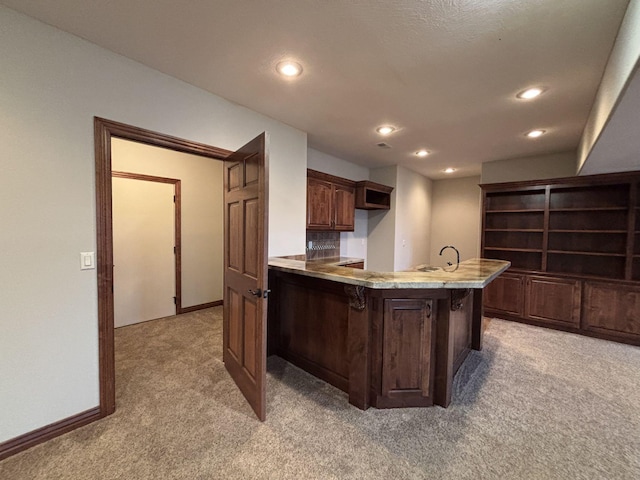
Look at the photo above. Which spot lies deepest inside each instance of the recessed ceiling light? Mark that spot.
(530, 93)
(422, 153)
(449, 170)
(535, 133)
(289, 69)
(385, 129)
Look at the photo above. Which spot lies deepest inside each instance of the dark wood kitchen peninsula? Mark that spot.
(386, 339)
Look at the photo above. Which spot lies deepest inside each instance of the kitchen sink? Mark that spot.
(427, 269)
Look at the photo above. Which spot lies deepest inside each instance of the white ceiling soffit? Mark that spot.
(444, 72)
(618, 147)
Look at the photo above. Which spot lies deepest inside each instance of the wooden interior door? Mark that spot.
(246, 270)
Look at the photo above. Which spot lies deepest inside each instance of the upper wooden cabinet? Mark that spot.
(330, 202)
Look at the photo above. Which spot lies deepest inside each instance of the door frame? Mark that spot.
(104, 130)
(177, 231)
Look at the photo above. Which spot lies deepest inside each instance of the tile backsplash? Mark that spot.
(322, 245)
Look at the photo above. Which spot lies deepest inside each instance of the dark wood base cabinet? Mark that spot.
(385, 348)
(612, 311)
(599, 309)
(553, 300)
(574, 248)
(506, 293)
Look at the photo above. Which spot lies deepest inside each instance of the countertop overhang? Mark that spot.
(472, 273)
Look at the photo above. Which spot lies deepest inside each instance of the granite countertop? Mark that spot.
(473, 273)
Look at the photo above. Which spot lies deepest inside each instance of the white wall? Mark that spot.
(352, 244)
(382, 225)
(51, 86)
(399, 237)
(455, 219)
(202, 212)
(623, 59)
(555, 165)
(413, 219)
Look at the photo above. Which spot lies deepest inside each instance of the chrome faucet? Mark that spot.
(457, 253)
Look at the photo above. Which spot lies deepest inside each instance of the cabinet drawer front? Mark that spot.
(553, 300)
(612, 309)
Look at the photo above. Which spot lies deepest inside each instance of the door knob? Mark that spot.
(257, 292)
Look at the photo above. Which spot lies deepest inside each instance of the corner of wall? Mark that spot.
(623, 60)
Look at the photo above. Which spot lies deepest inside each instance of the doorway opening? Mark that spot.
(146, 247)
(104, 131)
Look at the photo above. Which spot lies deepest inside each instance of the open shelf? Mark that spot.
(514, 220)
(595, 241)
(373, 196)
(587, 231)
(517, 201)
(599, 197)
(583, 263)
(516, 240)
(515, 210)
(616, 219)
(589, 209)
(520, 259)
(530, 230)
(504, 249)
(576, 252)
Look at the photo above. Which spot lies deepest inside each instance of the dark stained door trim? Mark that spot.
(104, 130)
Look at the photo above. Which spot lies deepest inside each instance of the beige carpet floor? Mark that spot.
(534, 404)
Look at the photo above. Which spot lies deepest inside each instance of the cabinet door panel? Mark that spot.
(344, 205)
(319, 204)
(612, 309)
(407, 349)
(506, 293)
(554, 300)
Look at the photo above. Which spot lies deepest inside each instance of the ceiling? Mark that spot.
(444, 72)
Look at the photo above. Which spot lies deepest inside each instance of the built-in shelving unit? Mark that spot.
(560, 235)
(634, 238)
(514, 227)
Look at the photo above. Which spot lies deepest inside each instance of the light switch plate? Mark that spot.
(87, 260)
